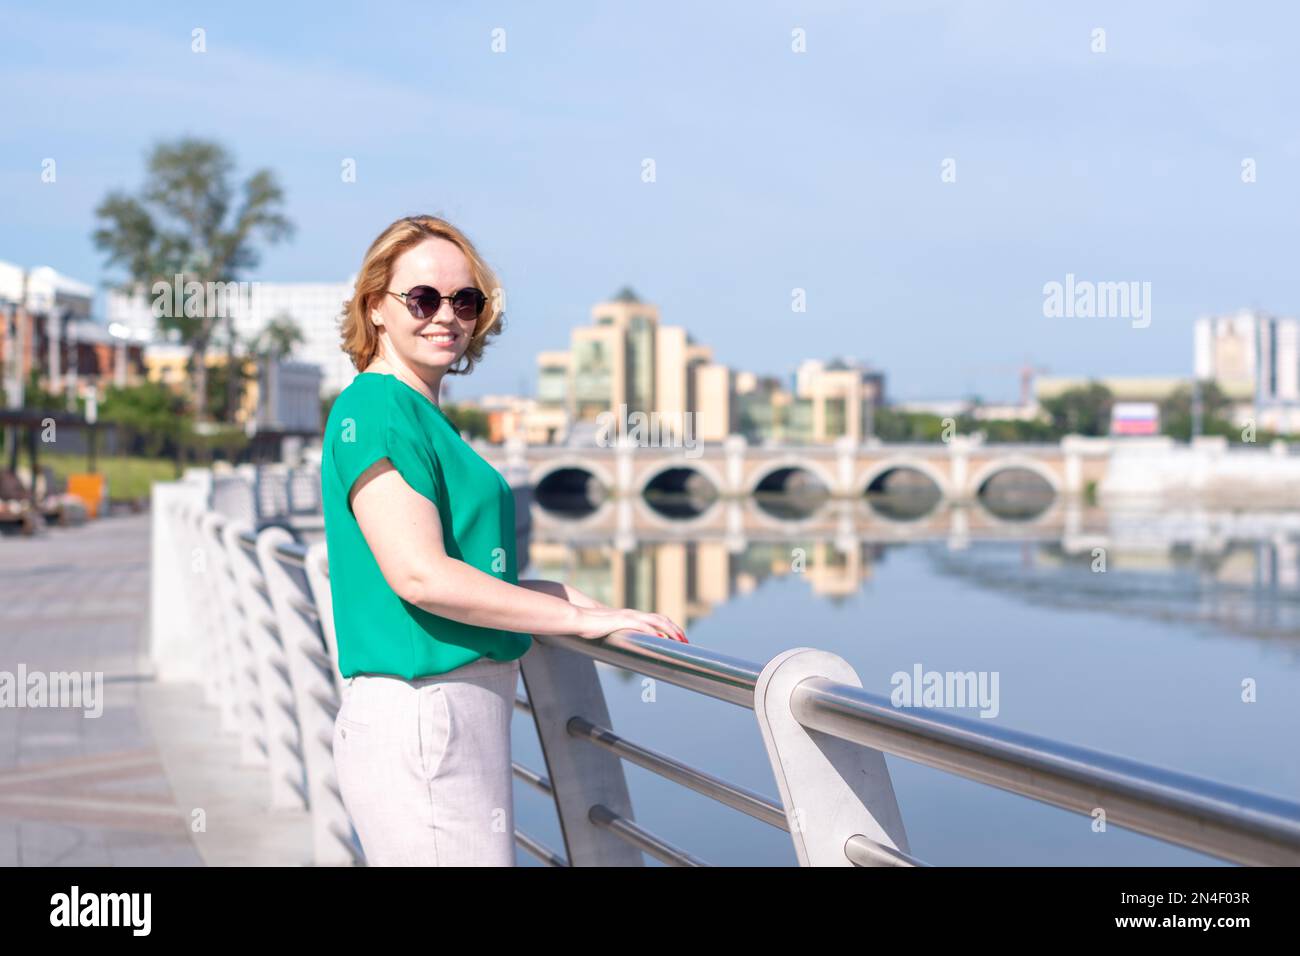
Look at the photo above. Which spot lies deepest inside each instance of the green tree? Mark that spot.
(35, 395)
(1176, 412)
(279, 337)
(1081, 411)
(190, 220)
(226, 384)
(894, 425)
(151, 412)
(471, 421)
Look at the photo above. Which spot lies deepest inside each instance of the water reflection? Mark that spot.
(1016, 494)
(684, 552)
(1128, 631)
(680, 493)
(903, 494)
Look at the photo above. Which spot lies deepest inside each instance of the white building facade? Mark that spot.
(1254, 357)
(315, 307)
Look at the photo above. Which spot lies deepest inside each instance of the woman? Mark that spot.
(429, 614)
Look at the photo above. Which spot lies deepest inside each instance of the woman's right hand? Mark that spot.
(598, 622)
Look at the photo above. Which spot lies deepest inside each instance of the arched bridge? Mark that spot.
(959, 469)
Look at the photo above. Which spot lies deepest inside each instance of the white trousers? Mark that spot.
(423, 766)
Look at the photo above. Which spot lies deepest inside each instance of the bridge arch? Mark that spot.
(540, 472)
(770, 467)
(697, 465)
(902, 463)
(757, 516)
(570, 484)
(1013, 463)
(705, 520)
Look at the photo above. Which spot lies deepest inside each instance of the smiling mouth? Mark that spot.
(439, 338)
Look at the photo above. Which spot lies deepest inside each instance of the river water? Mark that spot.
(1171, 636)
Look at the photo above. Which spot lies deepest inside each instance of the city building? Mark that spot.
(315, 307)
(1254, 359)
(1149, 388)
(1227, 351)
(46, 329)
(841, 399)
(288, 397)
(514, 417)
(628, 361)
(169, 363)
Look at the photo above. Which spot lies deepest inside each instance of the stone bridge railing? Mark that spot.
(959, 468)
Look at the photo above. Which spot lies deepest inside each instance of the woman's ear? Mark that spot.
(376, 319)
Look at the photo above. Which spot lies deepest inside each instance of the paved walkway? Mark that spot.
(122, 788)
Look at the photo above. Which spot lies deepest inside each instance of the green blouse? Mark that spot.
(380, 416)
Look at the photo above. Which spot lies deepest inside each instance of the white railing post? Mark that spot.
(315, 696)
(319, 578)
(221, 627)
(831, 789)
(173, 648)
(562, 685)
(243, 659)
(283, 743)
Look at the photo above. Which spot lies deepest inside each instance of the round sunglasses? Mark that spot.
(423, 301)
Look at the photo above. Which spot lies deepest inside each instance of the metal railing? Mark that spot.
(1218, 819)
(808, 702)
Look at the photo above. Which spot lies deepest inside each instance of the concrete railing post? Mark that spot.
(315, 696)
(733, 451)
(624, 454)
(222, 628)
(173, 648)
(562, 685)
(959, 452)
(846, 459)
(831, 789)
(319, 578)
(246, 673)
(283, 743)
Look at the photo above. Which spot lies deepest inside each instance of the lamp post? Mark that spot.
(92, 416)
(121, 333)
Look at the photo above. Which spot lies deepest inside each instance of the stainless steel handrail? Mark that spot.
(1215, 818)
(738, 798)
(645, 841)
(531, 777)
(539, 850)
(683, 665)
(1219, 819)
(1224, 821)
(863, 851)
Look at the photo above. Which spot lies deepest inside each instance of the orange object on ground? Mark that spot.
(89, 488)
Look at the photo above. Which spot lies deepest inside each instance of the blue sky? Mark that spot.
(775, 170)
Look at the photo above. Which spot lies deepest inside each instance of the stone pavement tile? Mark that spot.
(204, 773)
(8, 843)
(121, 788)
(77, 790)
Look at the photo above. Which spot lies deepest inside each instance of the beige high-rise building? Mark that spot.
(672, 381)
(627, 359)
(839, 396)
(713, 393)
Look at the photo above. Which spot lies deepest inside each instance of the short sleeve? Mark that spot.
(364, 433)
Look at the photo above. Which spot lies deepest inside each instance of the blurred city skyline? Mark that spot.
(774, 170)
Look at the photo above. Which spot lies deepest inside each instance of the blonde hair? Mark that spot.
(361, 336)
